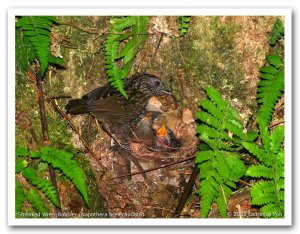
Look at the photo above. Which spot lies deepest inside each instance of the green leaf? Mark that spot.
(221, 128)
(20, 198)
(36, 31)
(130, 26)
(56, 61)
(268, 69)
(62, 160)
(204, 156)
(184, 22)
(21, 152)
(36, 201)
(236, 167)
(277, 138)
(222, 206)
(273, 210)
(274, 60)
(260, 171)
(277, 32)
(42, 166)
(35, 154)
(48, 189)
(20, 165)
(29, 173)
(269, 94)
(258, 152)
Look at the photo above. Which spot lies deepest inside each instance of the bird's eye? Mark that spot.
(156, 83)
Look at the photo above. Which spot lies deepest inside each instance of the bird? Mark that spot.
(159, 138)
(165, 139)
(110, 107)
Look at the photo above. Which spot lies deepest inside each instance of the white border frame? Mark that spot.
(287, 13)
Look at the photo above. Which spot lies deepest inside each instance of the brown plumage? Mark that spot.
(111, 107)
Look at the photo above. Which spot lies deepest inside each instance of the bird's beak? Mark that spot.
(167, 92)
(162, 131)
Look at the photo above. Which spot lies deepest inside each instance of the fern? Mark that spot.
(277, 32)
(44, 185)
(222, 130)
(62, 160)
(184, 22)
(20, 198)
(24, 51)
(36, 201)
(133, 29)
(270, 88)
(21, 152)
(20, 165)
(268, 192)
(33, 41)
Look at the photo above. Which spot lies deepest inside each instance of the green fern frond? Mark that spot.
(222, 205)
(36, 201)
(37, 30)
(270, 88)
(273, 210)
(20, 165)
(48, 189)
(276, 138)
(260, 171)
(264, 199)
(116, 51)
(208, 193)
(62, 160)
(25, 52)
(184, 23)
(236, 167)
(21, 152)
(263, 187)
(203, 156)
(222, 130)
(29, 173)
(258, 152)
(20, 198)
(44, 185)
(277, 32)
(269, 191)
(56, 61)
(123, 23)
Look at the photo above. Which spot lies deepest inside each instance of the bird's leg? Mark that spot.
(124, 149)
(89, 127)
(124, 146)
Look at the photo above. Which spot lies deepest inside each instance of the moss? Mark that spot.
(224, 52)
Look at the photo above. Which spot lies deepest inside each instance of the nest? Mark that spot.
(156, 192)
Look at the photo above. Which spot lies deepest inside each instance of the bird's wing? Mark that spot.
(108, 106)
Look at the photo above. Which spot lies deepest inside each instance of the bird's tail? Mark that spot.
(78, 106)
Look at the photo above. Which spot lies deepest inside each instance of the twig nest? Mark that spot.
(187, 116)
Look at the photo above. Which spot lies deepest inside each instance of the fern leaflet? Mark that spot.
(20, 197)
(133, 29)
(270, 88)
(62, 160)
(35, 40)
(277, 32)
(44, 185)
(184, 22)
(222, 130)
(36, 201)
(269, 192)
